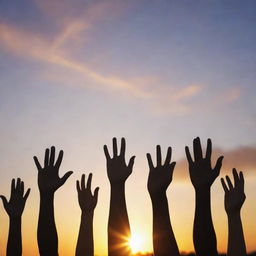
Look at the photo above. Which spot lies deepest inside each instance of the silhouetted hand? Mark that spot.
(48, 177)
(16, 204)
(234, 195)
(160, 176)
(118, 171)
(202, 175)
(86, 199)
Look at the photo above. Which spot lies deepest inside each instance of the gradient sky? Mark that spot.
(75, 74)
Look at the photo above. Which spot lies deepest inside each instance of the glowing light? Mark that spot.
(136, 243)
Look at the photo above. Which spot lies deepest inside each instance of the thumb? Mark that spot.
(65, 177)
(218, 165)
(96, 192)
(5, 203)
(131, 162)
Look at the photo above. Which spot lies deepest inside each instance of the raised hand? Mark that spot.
(202, 174)
(86, 199)
(234, 199)
(14, 209)
(16, 204)
(160, 176)
(48, 176)
(159, 179)
(234, 194)
(117, 169)
(87, 202)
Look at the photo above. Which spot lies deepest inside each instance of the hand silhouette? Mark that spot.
(118, 171)
(16, 204)
(160, 176)
(234, 195)
(86, 199)
(202, 175)
(48, 177)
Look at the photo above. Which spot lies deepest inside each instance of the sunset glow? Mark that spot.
(75, 74)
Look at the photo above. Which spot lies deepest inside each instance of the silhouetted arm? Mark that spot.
(202, 176)
(118, 222)
(48, 182)
(87, 202)
(234, 199)
(159, 179)
(14, 209)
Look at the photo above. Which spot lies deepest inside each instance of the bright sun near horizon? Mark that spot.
(136, 243)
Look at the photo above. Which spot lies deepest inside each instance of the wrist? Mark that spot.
(234, 214)
(15, 218)
(46, 195)
(87, 213)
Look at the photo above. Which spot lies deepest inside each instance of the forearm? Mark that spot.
(118, 223)
(47, 233)
(203, 234)
(85, 245)
(14, 245)
(163, 237)
(236, 243)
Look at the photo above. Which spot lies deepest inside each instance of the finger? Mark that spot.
(78, 186)
(65, 177)
(158, 155)
(52, 156)
(18, 184)
(105, 148)
(131, 163)
(150, 162)
(27, 194)
(5, 203)
(89, 182)
(218, 165)
(197, 149)
(168, 156)
(241, 177)
(46, 158)
(22, 188)
(83, 182)
(230, 185)
(96, 192)
(189, 158)
(38, 166)
(123, 146)
(224, 185)
(114, 147)
(209, 149)
(172, 165)
(13, 186)
(59, 160)
(236, 177)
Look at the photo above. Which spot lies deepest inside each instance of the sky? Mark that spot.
(75, 74)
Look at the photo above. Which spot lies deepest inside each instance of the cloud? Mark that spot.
(242, 158)
(56, 51)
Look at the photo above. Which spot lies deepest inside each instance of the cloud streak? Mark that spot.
(242, 158)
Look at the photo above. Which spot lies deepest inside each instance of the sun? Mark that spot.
(136, 243)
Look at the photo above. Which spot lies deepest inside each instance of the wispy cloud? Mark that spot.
(56, 51)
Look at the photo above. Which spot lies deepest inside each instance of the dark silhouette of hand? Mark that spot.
(117, 169)
(234, 195)
(16, 204)
(202, 175)
(48, 177)
(160, 176)
(86, 199)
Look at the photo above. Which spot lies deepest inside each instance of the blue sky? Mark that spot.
(156, 72)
